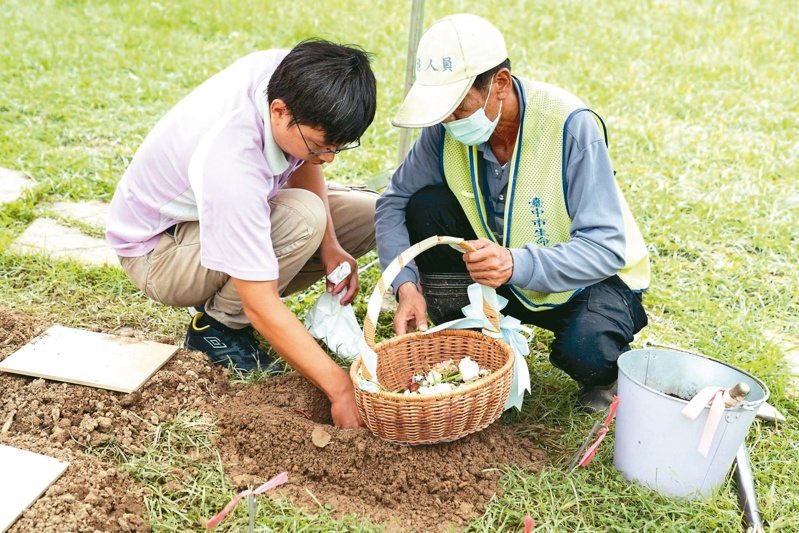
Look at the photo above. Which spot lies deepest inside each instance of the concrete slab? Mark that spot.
(12, 184)
(87, 358)
(26, 475)
(92, 213)
(46, 236)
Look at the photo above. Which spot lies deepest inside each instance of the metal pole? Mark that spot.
(415, 33)
(252, 510)
(584, 446)
(746, 491)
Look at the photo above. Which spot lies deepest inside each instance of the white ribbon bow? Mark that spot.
(511, 331)
(369, 358)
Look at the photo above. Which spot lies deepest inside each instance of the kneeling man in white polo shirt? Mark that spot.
(225, 208)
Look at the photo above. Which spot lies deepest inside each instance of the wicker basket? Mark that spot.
(431, 418)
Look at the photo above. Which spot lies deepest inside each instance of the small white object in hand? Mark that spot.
(469, 369)
(340, 273)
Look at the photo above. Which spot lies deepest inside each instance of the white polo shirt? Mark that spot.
(211, 158)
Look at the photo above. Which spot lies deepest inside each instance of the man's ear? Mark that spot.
(278, 108)
(504, 82)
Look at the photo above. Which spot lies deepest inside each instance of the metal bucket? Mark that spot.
(655, 444)
(446, 294)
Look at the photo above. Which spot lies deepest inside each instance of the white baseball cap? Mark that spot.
(451, 54)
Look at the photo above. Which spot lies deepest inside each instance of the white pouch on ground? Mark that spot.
(333, 323)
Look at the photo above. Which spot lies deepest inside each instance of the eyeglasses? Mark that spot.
(350, 146)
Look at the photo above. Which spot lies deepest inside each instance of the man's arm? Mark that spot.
(596, 248)
(420, 168)
(311, 178)
(288, 337)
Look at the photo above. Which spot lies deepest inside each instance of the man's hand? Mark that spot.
(411, 311)
(490, 264)
(291, 340)
(345, 411)
(332, 255)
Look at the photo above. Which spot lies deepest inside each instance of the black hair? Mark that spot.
(482, 80)
(327, 86)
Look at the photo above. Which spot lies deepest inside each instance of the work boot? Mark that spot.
(595, 398)
(227, 346)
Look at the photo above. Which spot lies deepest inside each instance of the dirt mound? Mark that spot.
(77, 416)
(91, 495)
(267, 429)
(64, 421)
(16, 329)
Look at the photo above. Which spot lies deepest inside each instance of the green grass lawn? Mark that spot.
(701, 99)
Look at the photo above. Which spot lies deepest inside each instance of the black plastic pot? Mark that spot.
(446, 294)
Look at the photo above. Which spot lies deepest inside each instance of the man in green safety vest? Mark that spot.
(521, 169)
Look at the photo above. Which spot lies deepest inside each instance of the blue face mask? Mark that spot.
(476, 128)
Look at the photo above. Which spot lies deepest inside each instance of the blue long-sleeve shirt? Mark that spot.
(596, 248)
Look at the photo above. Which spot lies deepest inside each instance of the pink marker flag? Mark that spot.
(600, 435)
(271, 484)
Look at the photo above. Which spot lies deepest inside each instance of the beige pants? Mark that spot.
(172, 273)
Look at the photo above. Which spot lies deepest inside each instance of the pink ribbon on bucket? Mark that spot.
(271, 484)
(715, 397)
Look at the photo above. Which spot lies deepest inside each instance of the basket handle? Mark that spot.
(394, 268)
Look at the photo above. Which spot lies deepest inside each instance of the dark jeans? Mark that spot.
(591, 330)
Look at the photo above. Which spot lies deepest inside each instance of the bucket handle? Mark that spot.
(394, 268)
(651, 344)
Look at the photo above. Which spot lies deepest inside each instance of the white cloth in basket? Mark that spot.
(512, 332)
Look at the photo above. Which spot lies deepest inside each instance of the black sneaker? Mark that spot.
(227, 346)
(597, 398)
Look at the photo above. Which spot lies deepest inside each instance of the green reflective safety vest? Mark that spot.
(535, 208)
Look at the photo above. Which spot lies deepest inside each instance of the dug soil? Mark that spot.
(265, 429)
